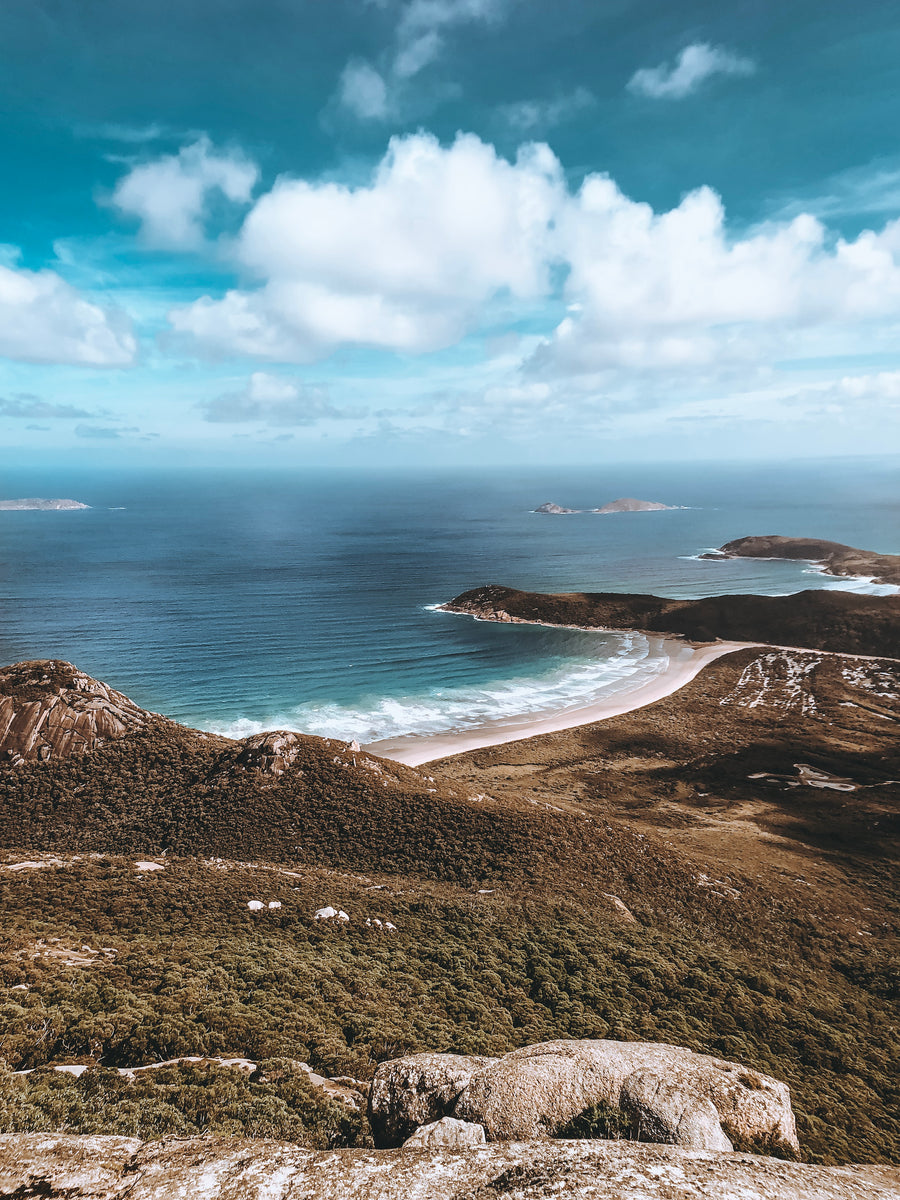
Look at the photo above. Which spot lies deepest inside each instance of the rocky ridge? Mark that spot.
(60, 1167)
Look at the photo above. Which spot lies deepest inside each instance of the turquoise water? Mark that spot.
(245, 601)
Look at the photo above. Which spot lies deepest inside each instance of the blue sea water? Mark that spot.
(243, 601)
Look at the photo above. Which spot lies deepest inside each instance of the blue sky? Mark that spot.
(452, 231)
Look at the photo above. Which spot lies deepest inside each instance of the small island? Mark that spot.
(832, 558)
(626, 504)
(554, 510)
(38, 505)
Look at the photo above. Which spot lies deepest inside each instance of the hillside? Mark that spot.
(537, 891)
(834, 558)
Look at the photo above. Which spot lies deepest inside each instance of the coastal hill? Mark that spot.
(39, 505)
(841, 622)
(671, 875)
(833, 557)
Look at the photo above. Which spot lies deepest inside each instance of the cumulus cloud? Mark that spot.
(272, 400)
(405, 263)
(170, 195)
(34, 408)
(693, 66)
(673, 289)
(376, 93)
(443, 236)
(43, 319)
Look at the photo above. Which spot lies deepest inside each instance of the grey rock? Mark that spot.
(66, 1167)
(668, 1093)
(446, 1134)
(416, 1090)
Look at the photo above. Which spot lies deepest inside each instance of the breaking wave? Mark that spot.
(629, 661)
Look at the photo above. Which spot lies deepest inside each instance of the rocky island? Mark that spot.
(35, 504)
(833, 557)
(554, 510)
(629, 505)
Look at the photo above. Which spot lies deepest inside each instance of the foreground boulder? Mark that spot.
(57, 1167)
(416, 1090)
(655, 1093)
(446, 1134)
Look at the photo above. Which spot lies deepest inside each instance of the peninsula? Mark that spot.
(35, 504)
(840, 622)
(832, 557)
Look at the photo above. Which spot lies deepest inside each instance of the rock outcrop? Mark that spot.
(662, 1093)
(416, 1090)
(553, 510)
(59, 1167)
(51, 710)
(446, 1134)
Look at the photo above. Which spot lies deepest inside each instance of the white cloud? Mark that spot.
(442, 239)
(406, 263)
(169, 195)
(363, 91)
(531, 116)
(674, 290)
(43, 319)
(695, 64)
(377, 93)
(272, 400)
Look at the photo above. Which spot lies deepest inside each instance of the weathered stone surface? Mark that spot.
(668, 1092)
(58, 1167)
(416, 1090)
(270, 753)
(49, 709)
(446, 1134)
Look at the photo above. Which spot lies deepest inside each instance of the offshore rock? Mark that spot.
(417, 1090)
(66, 1167)
(51, 710)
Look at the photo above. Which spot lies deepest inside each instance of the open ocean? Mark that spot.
(243, 601)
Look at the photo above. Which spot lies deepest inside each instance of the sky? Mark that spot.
(455, 232)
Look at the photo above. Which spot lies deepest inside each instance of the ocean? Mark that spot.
(247, 600)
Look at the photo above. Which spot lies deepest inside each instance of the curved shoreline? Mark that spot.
(686, 661)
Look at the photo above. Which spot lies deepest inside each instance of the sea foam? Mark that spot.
(627, 663)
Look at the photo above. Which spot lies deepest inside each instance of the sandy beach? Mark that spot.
(685, 662)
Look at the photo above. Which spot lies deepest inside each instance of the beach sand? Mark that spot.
(684, 663)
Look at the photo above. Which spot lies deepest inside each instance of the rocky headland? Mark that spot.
(840, 622)
(832, 557)
(38, 505)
